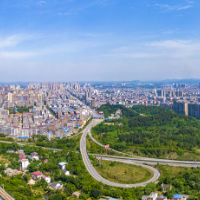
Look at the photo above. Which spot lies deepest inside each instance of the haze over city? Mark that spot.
(99, 40)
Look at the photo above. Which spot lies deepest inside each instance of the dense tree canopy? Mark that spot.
(158, 128)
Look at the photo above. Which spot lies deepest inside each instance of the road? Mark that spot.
(94, 173)
(149, 161)
(4, 195)
(102, 145)
(143, 160)
(23, 144)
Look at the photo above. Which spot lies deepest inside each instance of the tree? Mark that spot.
(56, 197)
(96, 193)
(26, 177)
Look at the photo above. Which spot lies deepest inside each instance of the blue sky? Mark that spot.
(106, 40)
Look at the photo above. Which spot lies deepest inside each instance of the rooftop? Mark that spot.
(37, 173)
(62, 163)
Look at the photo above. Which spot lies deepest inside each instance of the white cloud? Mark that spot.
(68, 13)
(190, 2)
(41, 2)
(177, 7)
(14, 40)
(184, 7)
(10, 41)
(16, 54)
(166, 6)
(178, 49)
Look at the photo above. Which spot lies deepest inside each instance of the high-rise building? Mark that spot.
(179, 93)
(86, 96)
(18, 87)
(12, 87)
(30, 86)
(194, 110)
(92, 90)
(181, 107)
(161, 93)
(61, 86)
(10, 97)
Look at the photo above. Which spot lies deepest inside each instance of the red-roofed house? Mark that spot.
(34, 154)
(22, 157)
(36, 175)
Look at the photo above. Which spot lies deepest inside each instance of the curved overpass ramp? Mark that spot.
(95, 174)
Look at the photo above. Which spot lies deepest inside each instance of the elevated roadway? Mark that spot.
(4, 195)
(95, 174)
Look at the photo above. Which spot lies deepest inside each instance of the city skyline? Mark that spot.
(43, 41)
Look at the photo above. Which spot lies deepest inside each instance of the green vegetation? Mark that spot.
(71, 144)
(2, 135)
(79, 180)
(149, 110)
(92, 147)
(183, 180)
(111, 109)
(4, 138)
(23, 109)
(123, 173)
(19, 109)
(159, 133)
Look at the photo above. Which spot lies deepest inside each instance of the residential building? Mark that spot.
(46, 178)
(56, 185)
(36, 175)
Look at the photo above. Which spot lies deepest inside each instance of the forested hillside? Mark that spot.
(111, 109)
(156, 133)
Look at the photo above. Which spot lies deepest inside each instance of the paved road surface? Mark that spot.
(4, 195)
(146, 160)
(150, 162)
(94, 173)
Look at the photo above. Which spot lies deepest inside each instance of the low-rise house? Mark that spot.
(46, 161)
(62, 165)
(180, 197)
(56, 185)
(153, 196)
(161, 198)
(46, 178)
(36, 175)
(165, 186)
(25, 163)
(22, 157)
(184, 197)
(76, 194)
(145, 197)
(34, 156)
(12, 172)
(10, 151)
(67, 173)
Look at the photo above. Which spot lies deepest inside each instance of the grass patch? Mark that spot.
(172, 171)
(123, 173)
(92, 147)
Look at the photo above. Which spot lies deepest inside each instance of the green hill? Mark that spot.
(158, 132)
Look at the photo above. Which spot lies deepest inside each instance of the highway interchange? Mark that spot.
(94, 173)
(135, 160)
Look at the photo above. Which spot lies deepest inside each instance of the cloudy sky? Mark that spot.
(106, 40)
